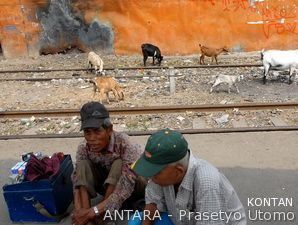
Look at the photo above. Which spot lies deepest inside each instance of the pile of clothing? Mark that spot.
(44, 168)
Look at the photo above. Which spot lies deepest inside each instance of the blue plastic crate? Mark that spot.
(53, 194)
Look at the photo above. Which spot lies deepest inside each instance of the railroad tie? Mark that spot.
(199, 123)
(278, 122)
(239, 123)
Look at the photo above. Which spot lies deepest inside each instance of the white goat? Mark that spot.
(96, 61)
(227, 79)
(279, 60)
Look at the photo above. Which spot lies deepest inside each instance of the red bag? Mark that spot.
(45, 168)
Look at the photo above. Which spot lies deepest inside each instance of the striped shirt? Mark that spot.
(204, 190)
(119, 147)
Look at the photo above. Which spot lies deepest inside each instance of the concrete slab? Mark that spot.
(239, 123)
(259, 165)
(199, 123)
(31, 131)
(278, 122)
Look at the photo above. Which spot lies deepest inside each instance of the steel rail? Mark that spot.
(133, 68)
(145, 133)
(151, 109)
(76, 77)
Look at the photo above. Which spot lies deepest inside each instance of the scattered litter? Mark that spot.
(222, 120)
(84, 87)
(235, 110)
(180, 118)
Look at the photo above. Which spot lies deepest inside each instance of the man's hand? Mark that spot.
(152, 209)
(82, 216)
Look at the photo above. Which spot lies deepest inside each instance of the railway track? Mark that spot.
(76, 76)
(151, 109)
(73, 77)
(143, 110)
(143, 133)
(156, 110)
(133, 68)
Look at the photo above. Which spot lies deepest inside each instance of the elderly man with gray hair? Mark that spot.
(184, 189)
(103, 165)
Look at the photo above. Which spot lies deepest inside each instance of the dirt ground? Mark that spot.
(192, 87)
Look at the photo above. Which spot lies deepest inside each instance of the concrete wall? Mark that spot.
(19, 30)
(28, 27)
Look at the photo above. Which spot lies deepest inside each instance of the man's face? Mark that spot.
(170, 175)
(98, 138)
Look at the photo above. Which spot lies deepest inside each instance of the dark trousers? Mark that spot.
(96, 178)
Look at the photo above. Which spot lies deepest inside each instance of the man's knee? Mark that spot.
(85, 176)
(84, 165)
(117, 166)
(84, 169)
(115, 172)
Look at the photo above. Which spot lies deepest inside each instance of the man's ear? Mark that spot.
(110, 130)
(180, 169)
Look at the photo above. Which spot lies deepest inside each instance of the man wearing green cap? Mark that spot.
(188, 189)
(103, 165)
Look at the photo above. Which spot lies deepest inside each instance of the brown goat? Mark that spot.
(211, 52)
(106, 84)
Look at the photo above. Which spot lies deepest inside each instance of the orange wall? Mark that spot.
(19, 30)
(176, 26)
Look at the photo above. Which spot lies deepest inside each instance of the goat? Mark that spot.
(211, 52)
(279, 60)
(96, 61)
(227, 79)
(106, 84)
(151, 50)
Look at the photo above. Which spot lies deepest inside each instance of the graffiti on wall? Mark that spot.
(278, 18)
(231, 5)
(63, 28)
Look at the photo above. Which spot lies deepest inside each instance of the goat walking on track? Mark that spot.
(106, 84)
(279, 60)
(227, 79)
(211, 52)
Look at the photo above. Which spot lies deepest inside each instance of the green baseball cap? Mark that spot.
(162, 148)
